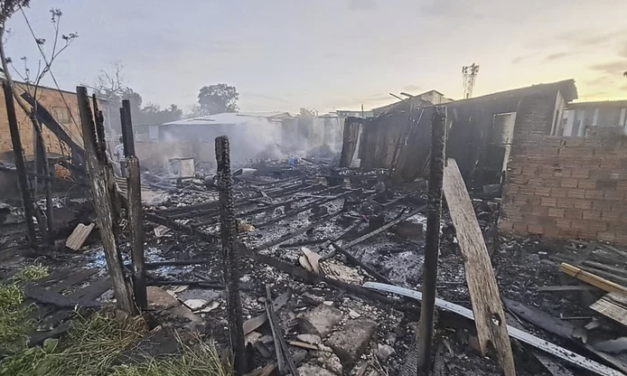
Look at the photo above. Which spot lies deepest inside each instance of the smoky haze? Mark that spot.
(253, 139)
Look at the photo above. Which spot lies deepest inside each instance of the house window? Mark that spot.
(61, 114)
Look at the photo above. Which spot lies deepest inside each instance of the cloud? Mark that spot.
(615, 68)
(589, 38)
(449, 9)
(520, 59)
(357, 5)
(267, 97)
(523, 58)
(561, 55)
(412, 88)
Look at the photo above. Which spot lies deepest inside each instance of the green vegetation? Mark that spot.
(198, 359)
(31, 273)
(15, 317)
(92, 345)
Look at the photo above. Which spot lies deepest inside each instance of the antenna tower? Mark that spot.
(469, 73)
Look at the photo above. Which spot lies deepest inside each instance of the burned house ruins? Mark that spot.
(462, 237)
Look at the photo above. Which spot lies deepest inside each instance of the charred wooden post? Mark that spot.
(135, 210)
(18, 153)
(127, 129)
(230, 253)
(99, 180)
(41, 160)
(432, 247)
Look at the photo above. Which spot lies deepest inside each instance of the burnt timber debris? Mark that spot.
(303, 267)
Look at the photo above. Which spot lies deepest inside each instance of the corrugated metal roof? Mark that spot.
(232, 118)
(608, 103)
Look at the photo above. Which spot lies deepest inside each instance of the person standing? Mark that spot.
(119, 154)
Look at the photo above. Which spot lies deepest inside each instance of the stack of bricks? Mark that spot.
(567, 188)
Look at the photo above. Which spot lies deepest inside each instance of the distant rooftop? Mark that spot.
(608, 103)
(232, 118)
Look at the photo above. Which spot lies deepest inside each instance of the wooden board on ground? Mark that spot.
(484, 293)
(79, 235)
(591, 278)
(614, 306)
(548, 347)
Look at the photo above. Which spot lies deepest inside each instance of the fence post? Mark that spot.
(135, 209)
(432, 237)
(99, 181)
(27, 200)
(230, 253)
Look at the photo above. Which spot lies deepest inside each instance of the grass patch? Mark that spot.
(93, 345)
(89, 349)
(30, 273)
(16, 318)
(197, 359)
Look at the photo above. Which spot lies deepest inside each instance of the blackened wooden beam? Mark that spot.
(432, 237)
(27, 200)
(230, 254)
(99, 184)
(135, 212)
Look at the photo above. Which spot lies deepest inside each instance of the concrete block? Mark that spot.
(320, 320)
(351, 341)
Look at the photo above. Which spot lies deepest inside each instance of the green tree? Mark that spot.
(111, 87)
(154, 114)
(219, 98)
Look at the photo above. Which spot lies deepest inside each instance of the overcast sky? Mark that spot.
(333, 54)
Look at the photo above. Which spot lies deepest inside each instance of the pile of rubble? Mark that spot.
(326, 242)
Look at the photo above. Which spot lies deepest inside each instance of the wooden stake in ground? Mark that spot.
(18, 154)
(230, 254)
(484, 293)
(432, 246)
(135, 209)
(101, 195)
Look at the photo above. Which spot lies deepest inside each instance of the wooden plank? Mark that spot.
(42, 295)
(79, 235)
(565, 288)
(559, 328)
(612, 305)
(548, 347)
(484, 293)
(619, 252)
(73, 279)
(256, 322)
(591, 279)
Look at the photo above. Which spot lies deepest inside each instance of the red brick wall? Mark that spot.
(567, 187)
